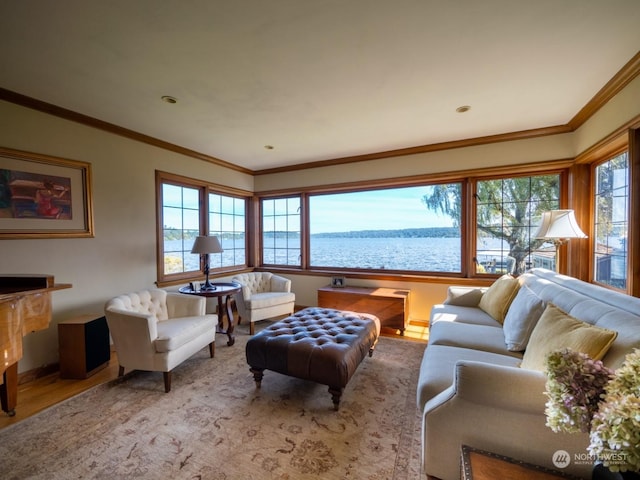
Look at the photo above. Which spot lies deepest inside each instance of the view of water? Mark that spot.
(419, 254)
(423, 254)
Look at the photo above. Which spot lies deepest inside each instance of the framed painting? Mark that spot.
(338, 282)
(43, 196)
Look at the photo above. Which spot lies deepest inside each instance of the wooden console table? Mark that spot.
(390, 305)
(25, 306)
(482, 465)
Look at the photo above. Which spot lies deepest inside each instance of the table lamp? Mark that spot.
(559, 226)
(204, 246)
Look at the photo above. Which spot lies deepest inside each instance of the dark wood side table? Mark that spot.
(390, 305)
(83, 345)
(224, 292)
(482, 465)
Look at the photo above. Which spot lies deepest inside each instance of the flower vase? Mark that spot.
(600, 472)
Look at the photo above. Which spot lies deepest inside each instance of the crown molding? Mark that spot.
(620, 80)
(434, 147)
(57, 111)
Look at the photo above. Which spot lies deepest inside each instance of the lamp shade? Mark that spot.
(559, 224)
(204, 244)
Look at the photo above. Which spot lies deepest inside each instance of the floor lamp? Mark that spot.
(559, 226)
(204, 246)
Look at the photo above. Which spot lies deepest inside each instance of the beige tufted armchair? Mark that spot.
(264, 295)
(155, 330)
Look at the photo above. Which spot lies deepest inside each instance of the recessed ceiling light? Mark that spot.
(463, 108)
(169, 99)
(269, 147)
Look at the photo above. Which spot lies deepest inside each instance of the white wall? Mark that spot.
(121, 257)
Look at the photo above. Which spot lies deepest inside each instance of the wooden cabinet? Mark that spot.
(83, 346)
(390, 305)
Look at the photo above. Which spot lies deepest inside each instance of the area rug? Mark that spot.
(215, 424)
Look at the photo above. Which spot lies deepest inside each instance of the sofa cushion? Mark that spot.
(477, 337)
(454, 313)
(437, 369)
(175, 332)
(521, 318)
(498, 297)
(556, 330)
(269, 299)
(464, 296)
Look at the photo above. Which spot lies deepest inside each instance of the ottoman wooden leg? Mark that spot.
(257, 375)
(336, 393)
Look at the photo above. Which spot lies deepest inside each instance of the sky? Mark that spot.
(389, 209)
(384, 209)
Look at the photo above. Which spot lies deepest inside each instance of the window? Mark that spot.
(227, 221)
(403, 229)
(281, 226)
(188, 208)
(180, 226)
(611, 213)
(463, 226)
(508, 212)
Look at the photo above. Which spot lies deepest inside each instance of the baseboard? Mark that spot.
(36, 373)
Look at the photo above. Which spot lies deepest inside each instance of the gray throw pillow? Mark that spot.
(522, 316)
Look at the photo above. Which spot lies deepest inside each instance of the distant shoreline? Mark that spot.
(430, 232)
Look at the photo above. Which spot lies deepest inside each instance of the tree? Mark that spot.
(508, 209)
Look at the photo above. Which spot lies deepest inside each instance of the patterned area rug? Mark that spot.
(215, 424)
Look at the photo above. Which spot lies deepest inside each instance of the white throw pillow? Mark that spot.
(522, 317)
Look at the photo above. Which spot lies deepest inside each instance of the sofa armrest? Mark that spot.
(280, 284)
(499, 386)
(181, 305)
(464, 296)
(498, 409)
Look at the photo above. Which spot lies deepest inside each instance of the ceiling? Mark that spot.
(316, 79)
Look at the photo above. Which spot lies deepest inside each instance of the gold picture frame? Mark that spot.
(44, 197)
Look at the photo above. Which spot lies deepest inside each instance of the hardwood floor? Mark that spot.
(41, 393)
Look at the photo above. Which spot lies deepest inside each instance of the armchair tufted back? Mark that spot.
(147, 302)
(255, 282)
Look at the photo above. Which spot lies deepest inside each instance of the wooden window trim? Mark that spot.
(204, 188)
(467, 178)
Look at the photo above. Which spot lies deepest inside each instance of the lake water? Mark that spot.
(420, 254)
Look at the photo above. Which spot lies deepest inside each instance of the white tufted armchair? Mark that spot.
(155, 330)
(264, 295)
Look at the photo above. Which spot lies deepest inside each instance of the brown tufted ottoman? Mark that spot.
(318, 344)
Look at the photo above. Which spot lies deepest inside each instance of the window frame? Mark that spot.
(310, 266)
(204, 189)
(260, 236)
(592, 203)
(466, 178)
(562, 202)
